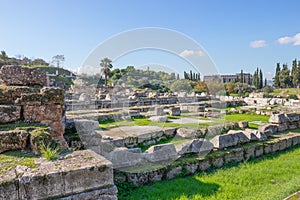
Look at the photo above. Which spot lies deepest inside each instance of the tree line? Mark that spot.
(285, 78)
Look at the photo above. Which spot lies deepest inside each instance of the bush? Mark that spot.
(293, 96)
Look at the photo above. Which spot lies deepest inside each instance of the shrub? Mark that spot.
(49, 152)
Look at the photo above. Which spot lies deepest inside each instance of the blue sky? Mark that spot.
(225, 29)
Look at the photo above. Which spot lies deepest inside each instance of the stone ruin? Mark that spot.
(75, 175)
(23, 99)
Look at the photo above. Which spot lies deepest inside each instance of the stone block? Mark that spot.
(277, 118)
(234, 155)
(174, 111)
(223, 141)
(259, 150)
(9, 94)
(13, 140)
(268, 129)
(159, 118)
(188, 133)
(163, 152)
(255, 135)
(204, 164)
(9, 185)
(17, 75)
(124, 158)
(243, 124)
(174, 172)
(169, 132)
(77, 173)
(9, 113)
(217, 161)
(199, 146)
(239, 136)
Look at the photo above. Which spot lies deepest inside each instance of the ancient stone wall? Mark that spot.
(19, 101)
(78, 176)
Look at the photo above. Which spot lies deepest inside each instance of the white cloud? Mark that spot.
(295, 40)
(188, 53)
(258, 44)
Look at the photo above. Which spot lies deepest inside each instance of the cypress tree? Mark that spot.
(276, 78)
(261, 80)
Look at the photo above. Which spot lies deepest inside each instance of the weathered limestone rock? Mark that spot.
(84, 125)
(45, 107)
(268, 129)
(174, 172)
(255, 135)
(235, 155)
(13, 140)
(188, 133)
(158, 111)
(159, 118)
(200, 146)
(80, 174)
(124, 158)
(243, 124)
(277, 119)
(223, 141)
(163, 152)
(239, 136)
(85, 97)
(9, 113)
(17, 75)
(9, 94)
(174, 111)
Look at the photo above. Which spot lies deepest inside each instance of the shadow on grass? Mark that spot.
(179, 187)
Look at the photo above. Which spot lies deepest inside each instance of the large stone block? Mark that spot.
(9, 113)
(163, 152)
(9, 94)
(199, 146)
(17, 75)
(9, 186)
(268, 129)
(277, 118)
(255, 135)
(13, 140)
(188, 133)
(38, 113)
(223, 141)
(77, 173)
(239, 136)
(124, 158)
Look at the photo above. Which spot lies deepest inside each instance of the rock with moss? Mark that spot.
(9, 94)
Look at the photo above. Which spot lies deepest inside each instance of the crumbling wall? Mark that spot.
(20, 101)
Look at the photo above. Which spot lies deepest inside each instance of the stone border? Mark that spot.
(215, 159)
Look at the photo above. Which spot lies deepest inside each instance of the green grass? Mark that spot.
(286, 91)
(273, 177)
(247, 117)
(10, 160)
(141, 121)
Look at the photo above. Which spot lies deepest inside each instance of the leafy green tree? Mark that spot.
(276, 78)
(3, 56)
(255, 79)
(181, 86)
(106, 65)
(39, 61)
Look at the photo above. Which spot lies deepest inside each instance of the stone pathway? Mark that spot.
(186, 120)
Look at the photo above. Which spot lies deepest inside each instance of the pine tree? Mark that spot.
(276, 79)
(178, 77)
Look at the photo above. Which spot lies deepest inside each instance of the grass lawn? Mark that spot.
(273, 177)
(141, 121)
(286, 91)
(10, 160)
(251, 118)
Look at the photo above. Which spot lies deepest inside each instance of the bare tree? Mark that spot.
(58, 60)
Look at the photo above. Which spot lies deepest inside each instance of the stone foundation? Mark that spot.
(79, 175)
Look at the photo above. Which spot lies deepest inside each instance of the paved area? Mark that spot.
(186, 120)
